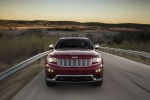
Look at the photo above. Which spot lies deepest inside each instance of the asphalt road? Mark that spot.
(123, 80)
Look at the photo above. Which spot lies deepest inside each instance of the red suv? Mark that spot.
(74, 60)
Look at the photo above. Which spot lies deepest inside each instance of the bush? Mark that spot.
(14, 48)
(130, 45)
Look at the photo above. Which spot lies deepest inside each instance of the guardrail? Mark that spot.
(21, 65)
(34, 58)
(117, 50)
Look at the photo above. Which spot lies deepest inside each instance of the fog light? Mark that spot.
(50, 70)
(98, 70)
(47, 65)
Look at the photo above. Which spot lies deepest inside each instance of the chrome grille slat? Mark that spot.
(74, 62)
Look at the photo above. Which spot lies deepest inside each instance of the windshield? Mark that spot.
(74, 44)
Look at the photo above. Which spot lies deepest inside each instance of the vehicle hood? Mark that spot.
(74, 52)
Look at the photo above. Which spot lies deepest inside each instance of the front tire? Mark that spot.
(49, 84)
(98, 84)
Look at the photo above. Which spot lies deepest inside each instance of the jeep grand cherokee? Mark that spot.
(74, 60)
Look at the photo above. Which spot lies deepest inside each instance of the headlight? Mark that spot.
(52, 60)
(96, 60)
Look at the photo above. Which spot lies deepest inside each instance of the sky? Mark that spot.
(105, 11)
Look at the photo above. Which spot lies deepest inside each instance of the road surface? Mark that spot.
(124, 79)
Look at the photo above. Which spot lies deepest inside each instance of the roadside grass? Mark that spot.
(16, 49)
(130, 45)
(141, 46)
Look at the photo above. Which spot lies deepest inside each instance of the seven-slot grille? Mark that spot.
(74, 62)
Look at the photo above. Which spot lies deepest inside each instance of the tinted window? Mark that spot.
(74, 44)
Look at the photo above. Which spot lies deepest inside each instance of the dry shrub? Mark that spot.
(14, 48)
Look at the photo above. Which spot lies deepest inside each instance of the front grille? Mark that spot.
(74, 62)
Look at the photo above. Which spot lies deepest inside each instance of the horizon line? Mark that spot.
(71, 21)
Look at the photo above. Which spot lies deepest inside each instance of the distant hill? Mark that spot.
(121, 25)
(16, 23)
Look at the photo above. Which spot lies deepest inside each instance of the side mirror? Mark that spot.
(96, 46)
(51, 46)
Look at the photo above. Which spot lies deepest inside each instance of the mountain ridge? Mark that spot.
(71, 23)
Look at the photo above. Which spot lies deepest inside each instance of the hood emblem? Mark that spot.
(74, 57)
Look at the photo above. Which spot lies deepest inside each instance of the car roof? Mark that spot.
(74, 38)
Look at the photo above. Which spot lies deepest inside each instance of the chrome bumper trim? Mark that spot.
(55, 78)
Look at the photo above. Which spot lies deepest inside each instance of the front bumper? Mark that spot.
(74, 79)
(74, 74)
